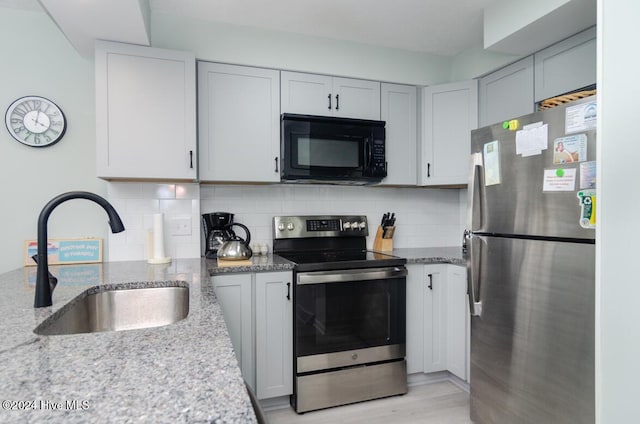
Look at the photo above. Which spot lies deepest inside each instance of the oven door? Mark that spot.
(349, 317)
(323, 148)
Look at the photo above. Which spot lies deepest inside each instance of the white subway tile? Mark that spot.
(124, 190)
(142, 206)
(158, 191)
(172, 207)
(188, 191)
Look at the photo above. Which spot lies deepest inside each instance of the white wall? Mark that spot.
(617, 235)
(258, 47)
(38, 60)
(476, 62)
(504, 18)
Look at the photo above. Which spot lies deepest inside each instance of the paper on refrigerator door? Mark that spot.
(582, 117)
(559, 179)
(532, 139)
(491, 155)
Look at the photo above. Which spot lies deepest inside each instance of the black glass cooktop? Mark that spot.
(340, 259)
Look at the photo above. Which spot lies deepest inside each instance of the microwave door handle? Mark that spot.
(368, 152)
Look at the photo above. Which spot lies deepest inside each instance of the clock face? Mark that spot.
(35, 121)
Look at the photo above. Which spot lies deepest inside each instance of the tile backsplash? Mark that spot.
(424, 217)
(137, 203)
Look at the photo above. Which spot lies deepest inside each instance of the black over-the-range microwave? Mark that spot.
(332, 150)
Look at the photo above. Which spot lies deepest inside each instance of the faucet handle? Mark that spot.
(53, 281)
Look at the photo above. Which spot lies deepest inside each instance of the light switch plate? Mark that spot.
(180, 227)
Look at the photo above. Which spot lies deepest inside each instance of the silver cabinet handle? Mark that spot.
(347, 275)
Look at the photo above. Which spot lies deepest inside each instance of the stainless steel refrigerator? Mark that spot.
(531, 267)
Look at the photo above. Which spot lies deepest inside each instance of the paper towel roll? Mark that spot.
(158, 240)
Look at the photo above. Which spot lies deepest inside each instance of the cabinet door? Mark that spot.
(356, 98)
(234, 295)
(415, 318)
(239, 123)
(435, 331)
(145, 112)
(306, 94)
(274, 334)
(450, 113)
(399, 111)
(566, 66)
(456, 321)
(506, 93)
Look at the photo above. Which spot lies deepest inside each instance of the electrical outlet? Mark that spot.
(181, 226)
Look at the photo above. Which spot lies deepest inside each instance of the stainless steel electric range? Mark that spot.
(349, 312)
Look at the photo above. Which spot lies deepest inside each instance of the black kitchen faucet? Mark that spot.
(44, 280)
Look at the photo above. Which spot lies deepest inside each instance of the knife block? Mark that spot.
(383, 244)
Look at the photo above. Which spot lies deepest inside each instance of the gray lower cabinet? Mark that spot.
(437, 320)
(257, 308)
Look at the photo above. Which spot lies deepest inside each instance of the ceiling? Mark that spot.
(434, 26)
(443, 27)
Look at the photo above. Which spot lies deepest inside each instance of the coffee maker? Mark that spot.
(215, 231)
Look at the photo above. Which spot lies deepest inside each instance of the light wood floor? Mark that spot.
(434, 403)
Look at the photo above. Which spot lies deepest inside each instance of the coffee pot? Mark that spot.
(216, 231)
(236, 248)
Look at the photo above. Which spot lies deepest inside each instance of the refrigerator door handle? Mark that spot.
(473, 275)
(474, 206)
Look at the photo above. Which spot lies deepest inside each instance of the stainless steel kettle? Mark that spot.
(236, 248)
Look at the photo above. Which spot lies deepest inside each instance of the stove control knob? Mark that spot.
(281, 226)
(290, 226)
(346, 225)
(362, 225)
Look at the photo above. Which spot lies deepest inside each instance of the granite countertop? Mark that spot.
(259, 263)
(184, 372)
(431, 255)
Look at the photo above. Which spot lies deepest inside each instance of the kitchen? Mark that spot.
(71, 164)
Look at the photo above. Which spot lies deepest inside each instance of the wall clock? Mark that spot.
(35, 121)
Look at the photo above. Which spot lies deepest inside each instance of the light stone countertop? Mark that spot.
(185, 372)
(431, 255)
(182, 373)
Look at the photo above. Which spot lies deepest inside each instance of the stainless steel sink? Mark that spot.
(119, 309)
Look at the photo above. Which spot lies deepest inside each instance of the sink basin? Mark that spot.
(119, 309)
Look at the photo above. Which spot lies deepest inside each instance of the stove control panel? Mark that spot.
(319, 226)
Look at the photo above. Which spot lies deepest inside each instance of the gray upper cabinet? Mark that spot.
(238, 123)
(145, 112)
(449, 113)
(322, 95)
(506, 93)
(399, 111)
(566, 66)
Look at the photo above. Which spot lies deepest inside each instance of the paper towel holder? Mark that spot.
(155, 242)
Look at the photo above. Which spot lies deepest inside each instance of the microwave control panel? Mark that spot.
(378, 163)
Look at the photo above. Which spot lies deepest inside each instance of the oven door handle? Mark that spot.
(347, 275)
